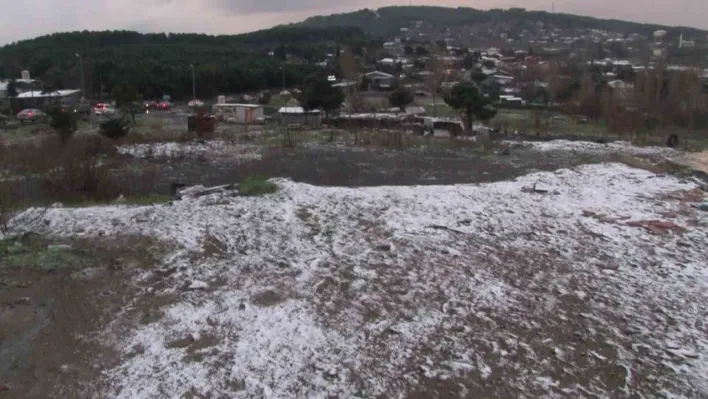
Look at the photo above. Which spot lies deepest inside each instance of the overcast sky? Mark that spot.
(29, 18)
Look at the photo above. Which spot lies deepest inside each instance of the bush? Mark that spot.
(256, 185)
(63, 122)
(265, 98)
(76, 174)
(115, 128)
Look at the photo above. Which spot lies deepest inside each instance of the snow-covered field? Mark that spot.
(437, 291)
(211, 149)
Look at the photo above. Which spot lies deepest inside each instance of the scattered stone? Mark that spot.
(331, 373)
(701, 207)
(25, 300)
(57, 205)
(182, 343)
(589, 214)
(242, 306)
(197, 285)
(536, 189)
(689, 354)
(683, 244)
(64, 368)
(212, 321)
(633, 331)
(384, 247)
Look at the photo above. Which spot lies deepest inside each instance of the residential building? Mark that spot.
(239, 113)
(298, 116)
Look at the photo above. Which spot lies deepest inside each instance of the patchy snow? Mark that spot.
(597, 148)
(395, 291)
(211, 149)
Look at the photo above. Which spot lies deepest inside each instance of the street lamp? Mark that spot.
(194, 83)
(81, 69)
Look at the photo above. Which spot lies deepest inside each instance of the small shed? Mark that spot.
(239, 113)
(298, 116)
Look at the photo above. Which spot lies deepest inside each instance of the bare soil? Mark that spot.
(49, 314)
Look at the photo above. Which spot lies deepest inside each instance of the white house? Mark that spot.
(379, 80)
(239, 113)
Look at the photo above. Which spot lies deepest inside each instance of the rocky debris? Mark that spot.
(537, 188)
(57, 205)
(182, 342)
(242, 306)
(197, 285)
(657, 227)
(65, 368)
(701, 207)
(25, 300)
(383, 247)
(200, 191)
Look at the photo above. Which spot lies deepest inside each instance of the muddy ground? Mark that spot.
(54, 294)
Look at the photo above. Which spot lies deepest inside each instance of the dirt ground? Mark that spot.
(54, 295)
(55, 300)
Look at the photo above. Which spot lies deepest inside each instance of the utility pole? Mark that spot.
(81, 70)
(194, 84)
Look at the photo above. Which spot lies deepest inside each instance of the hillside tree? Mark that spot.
(127, 99)
(11, 92)
(318, 93)
(401, 98)
(470, 102)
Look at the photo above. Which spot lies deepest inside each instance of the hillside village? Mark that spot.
(414, 202)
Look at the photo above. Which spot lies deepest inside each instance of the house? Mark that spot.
(379, 80)
(239, 113)
(40, 99)
(298, 116)
(347, 86)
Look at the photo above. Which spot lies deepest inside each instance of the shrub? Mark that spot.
(63, 122)
(76, 175)
(115, 128)
(265, 98)
(255, 185)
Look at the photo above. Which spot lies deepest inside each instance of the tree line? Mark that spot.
(157, 64)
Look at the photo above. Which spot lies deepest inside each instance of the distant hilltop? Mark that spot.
(387, 21)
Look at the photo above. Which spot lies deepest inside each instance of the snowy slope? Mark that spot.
(459, 290)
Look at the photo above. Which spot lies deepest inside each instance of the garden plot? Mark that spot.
(594, 286)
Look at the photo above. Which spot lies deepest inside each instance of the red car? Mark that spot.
(163, 106)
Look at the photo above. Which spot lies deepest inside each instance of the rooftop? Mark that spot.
(296, 110)
(38, 94)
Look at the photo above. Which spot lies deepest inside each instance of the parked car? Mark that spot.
(103, 109)
(163, 106)
(148, 105)
(82, 109)
(32, 115)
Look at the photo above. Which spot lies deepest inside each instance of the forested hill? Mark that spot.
(160, 63)
(388, 21)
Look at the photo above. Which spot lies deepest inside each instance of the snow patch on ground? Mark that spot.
(216, 148)
(597, 148)
(396, 291)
